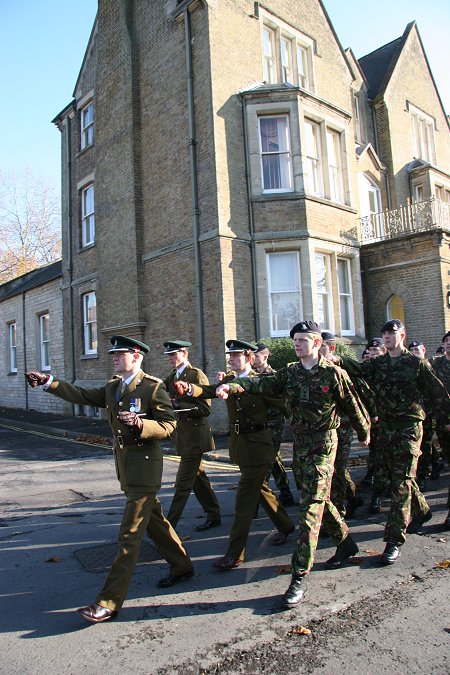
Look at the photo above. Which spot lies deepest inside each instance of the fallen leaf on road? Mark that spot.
(299, 630)
(283, 569)
(372, 551)
(444, 541)
(444, 565)
(356, 560)
(54, 558)
(186, 537)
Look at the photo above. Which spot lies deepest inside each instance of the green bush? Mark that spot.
(282, 351)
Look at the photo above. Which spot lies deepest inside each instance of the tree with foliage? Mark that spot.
(30, 224)
(282, 351)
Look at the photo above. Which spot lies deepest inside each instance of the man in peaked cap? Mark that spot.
(251, 448)
(193, 438)
(276, 425)
(140, 414)
(312, 390)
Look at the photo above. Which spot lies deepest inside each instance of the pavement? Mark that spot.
(98, 432)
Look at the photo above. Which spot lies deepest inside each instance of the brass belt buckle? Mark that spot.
(120, 442)
(236, 428)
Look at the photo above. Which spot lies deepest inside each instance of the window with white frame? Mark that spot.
(12, 347)
(276, 164)
(87, 216)
(287, 72)
(90, 323)
(345, 296)
(323, 289)
(44, 341)
(285, 296)
(269, 60)
(287, 53)
(313, 151)
(334, 152)
(422, 126)
(395, 308)
(87, 125)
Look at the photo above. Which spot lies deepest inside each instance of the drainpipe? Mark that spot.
(24, 340)
(69, 242)
(194, 188)
(250, 220)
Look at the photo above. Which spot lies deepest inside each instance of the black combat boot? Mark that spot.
(345, 550)
(417, 522)
(353, 504)
(390, 554)
(295, 592)
(375, 504)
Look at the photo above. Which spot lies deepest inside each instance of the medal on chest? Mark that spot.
(135, 405)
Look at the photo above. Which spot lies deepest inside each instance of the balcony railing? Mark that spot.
(423, 216)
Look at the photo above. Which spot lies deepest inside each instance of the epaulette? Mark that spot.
(152, 377)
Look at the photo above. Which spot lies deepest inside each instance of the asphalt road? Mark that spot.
(60, 509)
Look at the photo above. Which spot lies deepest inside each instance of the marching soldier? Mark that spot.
(140, 414)
(276, 425)
(251, 448)
(312, 389)
(400, 381)
(193, 438)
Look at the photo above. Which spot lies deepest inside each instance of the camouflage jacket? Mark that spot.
(275, 418)
(400, 385)
(312, 396)
(440, 366)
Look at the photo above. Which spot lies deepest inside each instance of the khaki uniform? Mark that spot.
(251, 448)
(139, 465)
(193, 438)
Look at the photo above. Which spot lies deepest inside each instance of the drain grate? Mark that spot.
(102, 557)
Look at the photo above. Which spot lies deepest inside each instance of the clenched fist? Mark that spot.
(131, 419)
(182, 387)
(35, 378)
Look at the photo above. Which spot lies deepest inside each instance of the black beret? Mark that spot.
(375, 342)
(446, 335)
(305, 327)
(328, 336)
(172, 346)
(121, 343)
(415, 343)
(392, 325)
(240, 346)
(260, 347)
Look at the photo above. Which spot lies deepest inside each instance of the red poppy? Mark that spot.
(325, 389)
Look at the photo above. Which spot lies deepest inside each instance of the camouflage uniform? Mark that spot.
(311, 398)
(275, 422)
(342, 487)
(400, 384)
(441, 368)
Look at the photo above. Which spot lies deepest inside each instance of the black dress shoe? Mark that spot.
(446, 523)
(173, 579)
(227, 562)
(208, 524)
(390, 554)
(417, 522)
(375, 504)
(295, 592)
(279, 538)
(96, 613)
(368, 479)
(345, 550)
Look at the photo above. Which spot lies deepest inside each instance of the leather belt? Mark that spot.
(240, 428)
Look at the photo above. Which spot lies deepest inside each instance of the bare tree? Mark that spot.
(30, 224)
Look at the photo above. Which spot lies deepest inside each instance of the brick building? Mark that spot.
(31, 314)
(226, 168)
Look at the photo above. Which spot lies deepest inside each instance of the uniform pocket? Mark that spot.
(142, 469)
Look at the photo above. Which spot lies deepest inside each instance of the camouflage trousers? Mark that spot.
(313, 465)
(380, 473)
(400, 451)
(444, 441)
(428, 450)
(342, 485)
